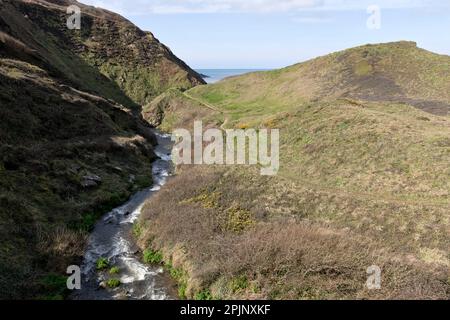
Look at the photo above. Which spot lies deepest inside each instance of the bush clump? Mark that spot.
(153, 257)
(113, 283)
(102, 263)
(204, 295)
(114, 270)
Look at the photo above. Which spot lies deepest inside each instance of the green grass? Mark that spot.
(114, 270)
(54, 287)
(376, 169)
(375, 135)
(182, 287)
(102, 264)
(113, 283)
(363, 68)
(179, 275)
(153, 257)
(204, 295)
(238, 284)
(176, 273)
(88, 222)
(416, 73)
(137, 230)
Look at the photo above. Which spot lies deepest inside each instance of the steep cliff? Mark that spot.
(73, 143)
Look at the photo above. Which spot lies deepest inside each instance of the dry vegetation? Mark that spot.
(51, 137)
(364, 180)
(214, 225)
(70, 109)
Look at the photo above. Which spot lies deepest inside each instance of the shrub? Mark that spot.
(114, 270)
(88, 222)
(113, 283)
(238, 219)
(238, 284)
(203, 295)
(55, 286)
(102, 263)
(273, 254)
(153, 257)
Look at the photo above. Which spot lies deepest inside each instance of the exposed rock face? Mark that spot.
(71, 134)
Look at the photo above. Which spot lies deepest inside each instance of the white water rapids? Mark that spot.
(112, 238)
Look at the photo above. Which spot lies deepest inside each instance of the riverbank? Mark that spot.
(113, 267)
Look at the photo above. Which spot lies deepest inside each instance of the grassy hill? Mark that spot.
(108, 56)
(365, 153)
(392, 72)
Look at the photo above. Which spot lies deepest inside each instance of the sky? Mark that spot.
(266, 34)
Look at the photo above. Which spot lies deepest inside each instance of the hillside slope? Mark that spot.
(364, 180)
(109, 55)
(65, 158)
(392, 72)
(73, 144)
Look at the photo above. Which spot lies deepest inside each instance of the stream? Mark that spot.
(112, 238)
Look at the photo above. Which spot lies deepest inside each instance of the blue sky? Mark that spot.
(276, 33)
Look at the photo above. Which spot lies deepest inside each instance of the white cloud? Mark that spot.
(136, 7)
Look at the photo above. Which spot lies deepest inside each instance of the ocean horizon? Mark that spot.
(215, 75)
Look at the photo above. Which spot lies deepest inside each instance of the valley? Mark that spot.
(362, 181)
(73, 144)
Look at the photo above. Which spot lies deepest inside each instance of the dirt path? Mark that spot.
(209, 106)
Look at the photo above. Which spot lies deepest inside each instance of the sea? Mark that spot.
(215, 75)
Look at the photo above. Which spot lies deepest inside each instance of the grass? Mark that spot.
(137, 230)
(153, 257)
(54, 287)
(363, 179)
(177, 274)
(204, 295)
(114, 270)
(58, 212)
(113, 283)
(290, 252)
(239, 283)
(102, 264)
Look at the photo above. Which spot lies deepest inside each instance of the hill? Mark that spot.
(109, 55)
(73, 144)
(364, 180)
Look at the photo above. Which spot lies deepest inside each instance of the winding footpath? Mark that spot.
(209, 106)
